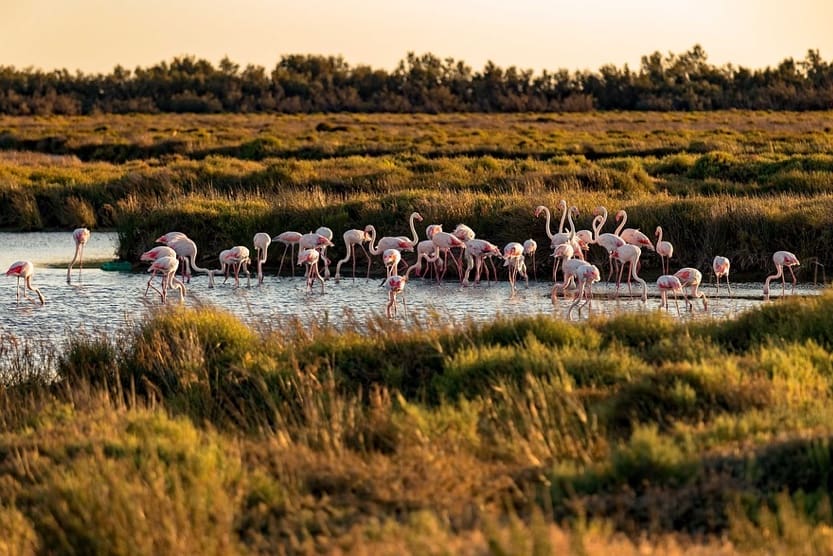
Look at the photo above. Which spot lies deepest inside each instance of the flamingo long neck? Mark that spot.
(597, 224)
(28, 283)
(563, 216)
(622, 223)
(570, 220)
(602, 219)
(779, 271)
(549, 231)
(659, 234)
(192, 259)
(374, 250)
(413, 228)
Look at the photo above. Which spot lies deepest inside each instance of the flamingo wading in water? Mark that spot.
(781, 259)
(352, 238)
(261, 242)
(25, 270)
(720, 266)
(81, 236)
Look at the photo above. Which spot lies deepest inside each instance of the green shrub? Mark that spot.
(650, 458)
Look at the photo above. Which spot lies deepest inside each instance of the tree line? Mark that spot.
(420, 83)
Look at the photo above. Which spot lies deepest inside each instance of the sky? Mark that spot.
(96, 35)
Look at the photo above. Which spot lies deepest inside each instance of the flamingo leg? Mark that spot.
(534, 269)
(280, 267)
(794, 279)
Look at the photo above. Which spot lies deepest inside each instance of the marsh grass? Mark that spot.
(192, 432)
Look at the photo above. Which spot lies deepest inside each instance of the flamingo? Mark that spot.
(431, 229)
(609, 241)
(664, 249)
(720, 266)
(290, 240)
(168, 266)
(569, 267)
(80, 236)
(445, 242)
(352, 238)
(476, 252)
(629, 254)
(633, 235)
(426, 249)
(310, 258)
(530, 247)
(562, 204)
(327, 233)
(261, 242)
(562, 252)
(169, 237)
(395, 285)
(186, 250)
(402, 243)
(586, 275)
(391, 258)
(513, 255)
(669, 283)
(691, 278)
(238, 257)
(25, 270)
(153, 254)
(781, 259)
(463, 232)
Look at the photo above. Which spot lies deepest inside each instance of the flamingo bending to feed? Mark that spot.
(463, 232)
(261, 242)
(669, 283)
(80, 236)
(664, 249)
(290, 240)
(310, 258)
(169, 237)
(186, 250)
(629, 254)
(530, 247)
(782, 259)
(167, 266)
(352, 238)
(153, 254)
(720, 266)
(691, 278)
(476, 252)
(586, 275)
(238, 258)
(25, 270)
(445, 242)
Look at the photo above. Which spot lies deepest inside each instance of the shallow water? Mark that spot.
(108, 301)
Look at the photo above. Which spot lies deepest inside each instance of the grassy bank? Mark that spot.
(739, 184)
(194, 433)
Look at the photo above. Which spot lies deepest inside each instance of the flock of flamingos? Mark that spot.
(569, 249)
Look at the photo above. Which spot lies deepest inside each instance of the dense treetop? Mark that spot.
(420, 83)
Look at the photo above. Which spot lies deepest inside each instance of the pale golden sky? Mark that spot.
(95, 35)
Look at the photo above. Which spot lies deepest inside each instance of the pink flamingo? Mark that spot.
(167, 266)
(395, 285)
(570, 268)
(463, 232)
(530, 247)
(586, 275)
(669, 283)
(513, 255)
(664, 249)
(720, 266)
(153, 254)
(445, 242)
(609, 241)
(80, 236)
(238, 257)
(327, 233)
(562, 204)
(290, 240)
(431, 229)
(169, 237)
(691, 278)
(186, 250)
(25, 270)
(477, 250)
(633, 235)
(629, 254)
(352, 238)
(782, 259)
(261, 242)
(391, 259)
(427, 249)
(310, 258)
